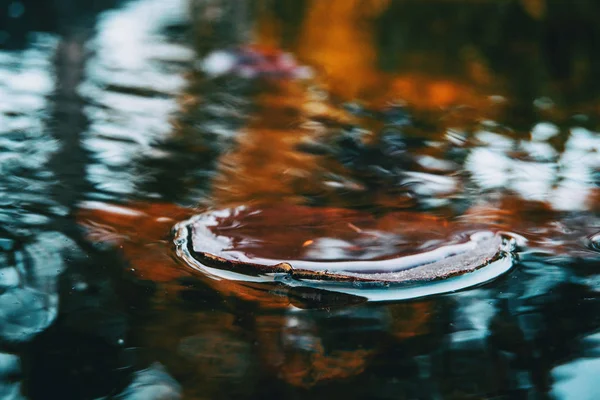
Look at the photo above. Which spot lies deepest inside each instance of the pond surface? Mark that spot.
(351, 133)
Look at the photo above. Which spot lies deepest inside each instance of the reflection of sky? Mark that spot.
(578, 163)
(565, 182)
(25, 80)
(28, 273)
(131, 80)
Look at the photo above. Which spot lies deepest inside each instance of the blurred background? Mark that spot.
(119, 119)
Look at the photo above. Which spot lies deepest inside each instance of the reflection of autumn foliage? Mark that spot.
(338, 38)
(456, 52)
(264, 166)
(306, 364)
(428, 92)
(141, 232)
(411, 320)
(332, 40)
(215, 351)
(294, 347)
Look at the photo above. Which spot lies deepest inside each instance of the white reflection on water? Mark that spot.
(130, 85)
(31, 257)
(130, 46)
(564, 181)
(543, 131)
(26, 78)
(578, 163)
(28, 276)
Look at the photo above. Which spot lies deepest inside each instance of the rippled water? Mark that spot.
(358, 131)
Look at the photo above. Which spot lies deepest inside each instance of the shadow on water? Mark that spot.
(120, 119)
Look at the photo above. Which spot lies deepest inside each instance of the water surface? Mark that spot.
(120, 119)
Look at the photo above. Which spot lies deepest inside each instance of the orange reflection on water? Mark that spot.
(141, 231)
(426, 92)
(264, 165)
(215, 350)
(337, 37)
(264, 168)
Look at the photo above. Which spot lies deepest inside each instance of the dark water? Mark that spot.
(119, 119)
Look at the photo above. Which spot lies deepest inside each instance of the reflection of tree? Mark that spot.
(522, 50)
(528, 56)
(59, 313)
(211, 114)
